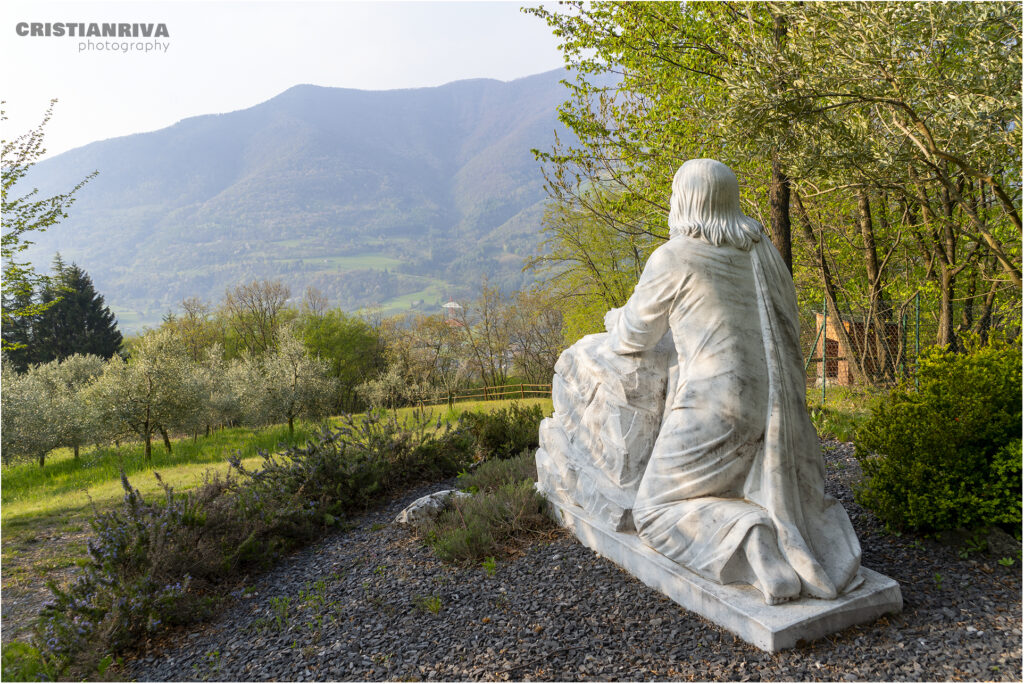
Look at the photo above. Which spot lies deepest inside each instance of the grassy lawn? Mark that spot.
(843, 411)
(34, 496)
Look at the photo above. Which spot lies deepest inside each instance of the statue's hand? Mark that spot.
(611, 319)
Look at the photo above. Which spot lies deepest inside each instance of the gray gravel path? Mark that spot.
(373, 604)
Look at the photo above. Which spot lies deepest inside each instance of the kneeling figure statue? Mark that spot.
(686, 421)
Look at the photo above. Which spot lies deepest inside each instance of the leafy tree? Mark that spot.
(66, 382)
(287, 383)
(651, 89)
(222, 392)
(27, 429)
(392, 388)
(588, 268)
(78, 322)
(23, 214)
(348, 344)
(156, 389)
(891, 130)
(924, 140)
(72, 319)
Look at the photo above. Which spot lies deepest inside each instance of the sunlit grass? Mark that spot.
(60, 493)
(64, 486)
(844, 410)
(451, 415)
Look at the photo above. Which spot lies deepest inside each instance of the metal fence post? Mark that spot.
(824, 347)
(917, 338)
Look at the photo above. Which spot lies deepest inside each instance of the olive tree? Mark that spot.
(285, 383)
(66, 383)
(26, 426)
(157, 389)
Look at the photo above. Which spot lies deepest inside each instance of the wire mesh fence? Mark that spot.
(850, 350)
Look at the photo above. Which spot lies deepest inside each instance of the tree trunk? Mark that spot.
(76, 451)
(42, 458)
(984, 320)
(946, 337)
(778, 198)
(149, 447)
(291, 425)
(828, 285)
(167, 440)
(779, 188)
(878, 307)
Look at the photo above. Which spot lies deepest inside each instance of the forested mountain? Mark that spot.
(375, 197)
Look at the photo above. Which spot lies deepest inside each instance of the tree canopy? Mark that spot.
(889, 131)
(23, 214)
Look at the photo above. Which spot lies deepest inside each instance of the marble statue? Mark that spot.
(685, 423)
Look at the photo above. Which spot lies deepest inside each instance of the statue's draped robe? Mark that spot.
(736, 448)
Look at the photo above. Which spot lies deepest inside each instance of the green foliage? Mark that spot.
(158, 387)
(507, 432)
(151, 562)
(948, 454)
(832, 423)
(504, 510)
(492, 473)
(24, 663)
(27, 431)
(428, 604)
(23, 215)
(73, 320)
(894, 127)
(349, 345)
(482, 525)
(343, 471)
(285, 383)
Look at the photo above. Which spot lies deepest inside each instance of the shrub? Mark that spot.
(507, 432)
(343, 471)
(135, 580)
(490, 475)
(948, 454)
(505, 510)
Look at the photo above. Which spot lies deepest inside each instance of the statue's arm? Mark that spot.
(643, 321)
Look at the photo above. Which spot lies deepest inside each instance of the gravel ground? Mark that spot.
(373, 604)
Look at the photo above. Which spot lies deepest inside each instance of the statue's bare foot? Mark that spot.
(773, 576)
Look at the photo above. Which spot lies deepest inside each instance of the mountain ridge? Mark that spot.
(375, 197)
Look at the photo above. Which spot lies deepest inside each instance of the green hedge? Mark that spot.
(947, 454)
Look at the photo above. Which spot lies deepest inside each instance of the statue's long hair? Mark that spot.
(706, 205)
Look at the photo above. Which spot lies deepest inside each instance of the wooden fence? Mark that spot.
(519, 391)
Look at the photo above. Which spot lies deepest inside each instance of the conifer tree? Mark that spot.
(77, 323)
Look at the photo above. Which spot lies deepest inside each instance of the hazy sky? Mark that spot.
(228, 55)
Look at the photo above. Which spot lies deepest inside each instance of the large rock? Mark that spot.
(426, 508)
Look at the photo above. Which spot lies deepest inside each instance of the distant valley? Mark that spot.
(386, 199)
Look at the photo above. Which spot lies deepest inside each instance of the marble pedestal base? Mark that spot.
(738, 608)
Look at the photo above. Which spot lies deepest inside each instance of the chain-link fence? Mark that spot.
(849, 350)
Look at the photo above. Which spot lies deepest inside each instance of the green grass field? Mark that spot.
(336, 264)
(60, 495)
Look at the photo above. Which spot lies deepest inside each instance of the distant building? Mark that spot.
(452, 313)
